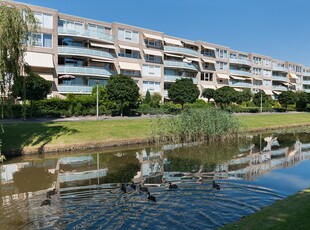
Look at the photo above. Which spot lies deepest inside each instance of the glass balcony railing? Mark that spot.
(279, 68)
(173, 78)
(279, 87)
(85, 70)
(306, 82)
(180, 64)
(240, 72)
(306, 90)
(181, 50)
(279, 78)
(86, 33)
(74, 89)
(84, 52)
(240, 84)
(307, 74)
(240, 61)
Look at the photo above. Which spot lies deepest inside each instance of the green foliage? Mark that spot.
(302, 100)
(225, 96)
(258, 97)
(183, 90)
(122, 89)
(195, 125)
(208, 93)
(287, 97)
(102, 92)
(155, 100)
(244, 95)
(147, 99)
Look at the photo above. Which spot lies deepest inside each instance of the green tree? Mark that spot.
(15, 26)
(243, 96)
(183, 90)
(208, 93)
(122, 89)
(147, 99)
(301, 101)
(287, 97)
(258, 96)
(102, 92)
(155, 100)
(225, 95)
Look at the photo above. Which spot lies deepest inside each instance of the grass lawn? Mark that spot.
(60, 134)
(282, 215)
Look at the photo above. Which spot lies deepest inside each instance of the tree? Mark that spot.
(15, 26)
(36, 88)
(258, 96)
(243, 96)
(287, 97)
(225, 95)
(122, 89)
(147, 99)
(208, 93)
(183, 90)
(301, 101)
(155, 100)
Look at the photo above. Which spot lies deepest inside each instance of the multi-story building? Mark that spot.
(77, 53)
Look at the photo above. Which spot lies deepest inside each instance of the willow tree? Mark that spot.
(16, 24)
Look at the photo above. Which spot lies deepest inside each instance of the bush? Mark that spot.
(170, 108)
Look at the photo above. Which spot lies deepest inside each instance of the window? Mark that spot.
(44, 20)
(41, 40)
(153, 43)
(129, 53)
(130, 72)
(221, 65)
(257, 71)
(208, 53)
(257, 60)
(221, 53)
(152, 58)
(151, 71)
(267, 73)
(128, 35)
(206, 77)
(151, 86)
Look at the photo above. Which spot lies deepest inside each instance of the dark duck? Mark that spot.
(151, 198)
(172, 186)
(216, 186)
(51, 193)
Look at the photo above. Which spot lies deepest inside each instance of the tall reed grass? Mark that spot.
(195, 125)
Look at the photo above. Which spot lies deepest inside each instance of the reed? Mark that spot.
(195, 125)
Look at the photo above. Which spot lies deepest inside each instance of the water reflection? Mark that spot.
(90, 183)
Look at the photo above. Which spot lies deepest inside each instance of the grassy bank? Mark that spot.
(284, 214)
(66, 135)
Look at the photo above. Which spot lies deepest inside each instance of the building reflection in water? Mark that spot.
(153, 166)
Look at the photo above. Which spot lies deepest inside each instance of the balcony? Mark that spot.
(172, 78)
(181, 50)
(240, 61)
(307, 74)
(240, 84)
(84, 52)
(86, 34)
(279, 78)
(84, 70)
(240, 72)
(75, 89)
(279, 68)
(279, 88)
(180, 64)
(306, 90)
(306, 82)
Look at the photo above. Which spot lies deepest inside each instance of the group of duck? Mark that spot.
(133, 187)
(49, 195)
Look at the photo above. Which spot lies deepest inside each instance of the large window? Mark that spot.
(152, 58)
(221, 53)
(44, 20)
(221, 65)
(257, 60)
(129, 53)
(257, 71)
(151, 86)
(41, 40)
(151, 71)
(128, 35)
(206, 77)
(128, 72)
(153, 43)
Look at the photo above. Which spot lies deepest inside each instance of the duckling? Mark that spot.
(51, 193)
(171, 186)
(46, 202)
(216, 186)
(123, 188)
(143, 189)
(151, 198)
(133, 186)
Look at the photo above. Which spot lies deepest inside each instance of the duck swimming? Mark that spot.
(171, 186)
(216, 186)
(151, 198)
(133, 186)
(143, 189)
(51, 193)
(123, 188)
(46, 202)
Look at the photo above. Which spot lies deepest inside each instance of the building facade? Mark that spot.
(76, 53)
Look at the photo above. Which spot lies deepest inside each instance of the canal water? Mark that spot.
(252, 172)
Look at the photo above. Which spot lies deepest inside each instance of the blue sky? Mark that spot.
(276, 28)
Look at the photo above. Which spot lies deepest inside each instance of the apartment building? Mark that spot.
(77, 53)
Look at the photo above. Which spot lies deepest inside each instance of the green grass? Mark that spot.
(61, 134)
(290, 213)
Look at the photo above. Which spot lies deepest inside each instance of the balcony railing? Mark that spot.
(306, 82)
(86, 33)
(306, 74)
(172, 78)
(240, 61)
(181, 50)
(94, 71)
(165, 93)
(279, 68)
(279, 87)
(74, 89)
(84, 52)
(306, 90)
(279, 78)
(180, 64)
(240, 84)
(240, 72)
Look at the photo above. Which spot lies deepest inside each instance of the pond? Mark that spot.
(252, 172)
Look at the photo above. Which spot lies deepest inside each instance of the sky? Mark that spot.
(276, 28)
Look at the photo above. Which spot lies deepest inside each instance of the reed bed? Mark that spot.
(195, 125)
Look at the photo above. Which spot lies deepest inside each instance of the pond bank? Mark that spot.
(291, 213)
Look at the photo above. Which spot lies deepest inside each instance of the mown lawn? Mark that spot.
(290, 213)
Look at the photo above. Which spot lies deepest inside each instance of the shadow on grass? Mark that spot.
(37, 135)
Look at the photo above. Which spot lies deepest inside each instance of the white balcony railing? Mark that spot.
(240, 72)
(172, 78)
(180, 64)
(240, 61)
(181, 50)
(84, 52)
(74, 89)
(93, 71)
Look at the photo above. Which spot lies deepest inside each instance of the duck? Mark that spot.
(51, 193)
(133, 186)
(216, 186)
(123, 188)
(46, 202)
(151, 198)
(143, 189)
(171, 186)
